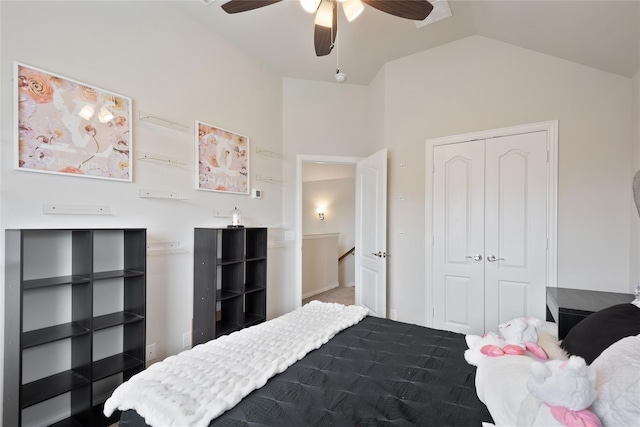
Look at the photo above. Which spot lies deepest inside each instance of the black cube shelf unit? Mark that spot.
(230, 281)
(74, 322)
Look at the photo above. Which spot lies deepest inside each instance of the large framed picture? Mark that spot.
(67, 127)
(222, 159)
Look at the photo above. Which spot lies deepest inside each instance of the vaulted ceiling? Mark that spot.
(603, 34)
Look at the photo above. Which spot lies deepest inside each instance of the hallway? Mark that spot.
(341, 295)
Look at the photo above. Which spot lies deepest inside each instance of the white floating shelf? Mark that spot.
(164, 248)
(219, 214)
(150, 118)
(57, 209)
(264, 178)
(268, 153)
(161, 194)
(159, 158)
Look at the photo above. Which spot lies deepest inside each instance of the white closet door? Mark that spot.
(458, 224)
(489, 232)
(515, 227)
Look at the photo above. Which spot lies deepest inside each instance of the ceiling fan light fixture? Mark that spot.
(352, 9)
(310, 5)
(324, 16)
(105, 114)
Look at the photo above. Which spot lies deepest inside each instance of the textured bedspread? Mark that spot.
(377, 372)
(197, 385)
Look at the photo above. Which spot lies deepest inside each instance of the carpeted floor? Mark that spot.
(342, 295)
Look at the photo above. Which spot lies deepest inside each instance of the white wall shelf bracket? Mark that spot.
(159, 158)
(164, 248)
(268, 153)
(265, 178)
(161, 194)
(150, 118)
(57, 209)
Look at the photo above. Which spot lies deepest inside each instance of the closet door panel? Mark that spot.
(515, 227)
(458, 191)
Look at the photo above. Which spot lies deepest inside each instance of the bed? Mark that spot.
(371, 371)
(375, 372)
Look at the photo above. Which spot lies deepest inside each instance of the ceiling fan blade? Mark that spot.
(416, 10)
(235, 6)
(324, 38)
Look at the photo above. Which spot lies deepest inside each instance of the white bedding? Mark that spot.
(197, 385)
(501, 383)
(618, 383)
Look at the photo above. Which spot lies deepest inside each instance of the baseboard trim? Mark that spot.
(319, 291)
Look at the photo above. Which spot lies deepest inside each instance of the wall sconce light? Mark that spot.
(320, 212)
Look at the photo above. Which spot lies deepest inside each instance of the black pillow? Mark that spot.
(599, 330)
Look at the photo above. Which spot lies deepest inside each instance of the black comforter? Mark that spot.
(377, 372)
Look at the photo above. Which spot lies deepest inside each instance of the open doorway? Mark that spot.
(370, 228)
(327, 229)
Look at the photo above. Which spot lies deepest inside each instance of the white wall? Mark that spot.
(338, 197)
(319, 263)
(476, 84)
(146, 51)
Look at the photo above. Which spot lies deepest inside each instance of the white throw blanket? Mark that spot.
(197, 385)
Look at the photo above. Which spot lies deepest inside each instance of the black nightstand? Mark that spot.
(569, 306)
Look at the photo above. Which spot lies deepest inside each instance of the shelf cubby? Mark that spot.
(52, 386)
(53, 333)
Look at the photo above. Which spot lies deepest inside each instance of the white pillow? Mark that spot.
(618, 383)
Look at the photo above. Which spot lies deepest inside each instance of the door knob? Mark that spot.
(492, 258)
(476, 257)
(379, 254)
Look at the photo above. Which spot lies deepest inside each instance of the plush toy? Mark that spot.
(522, 332)
(568, 388)
(488, 345)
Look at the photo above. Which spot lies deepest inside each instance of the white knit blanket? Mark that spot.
(197, 385)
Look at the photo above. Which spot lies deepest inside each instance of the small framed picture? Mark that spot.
(222, 159)
(66, 127)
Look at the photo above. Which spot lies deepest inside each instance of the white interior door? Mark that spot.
(515, 227)
(371, 233)
(458, 237)
(489, 231)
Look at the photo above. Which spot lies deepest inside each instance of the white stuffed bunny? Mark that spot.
(522, 331)
(568, 388)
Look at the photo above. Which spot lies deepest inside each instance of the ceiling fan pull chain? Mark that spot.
(340, 77)
(337, 51)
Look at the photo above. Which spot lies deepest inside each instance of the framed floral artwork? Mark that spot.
(222, 159)
(67, 127)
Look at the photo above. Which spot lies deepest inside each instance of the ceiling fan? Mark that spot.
(326, 19)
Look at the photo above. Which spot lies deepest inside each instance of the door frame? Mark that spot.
(300, 159)
(551, 127)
